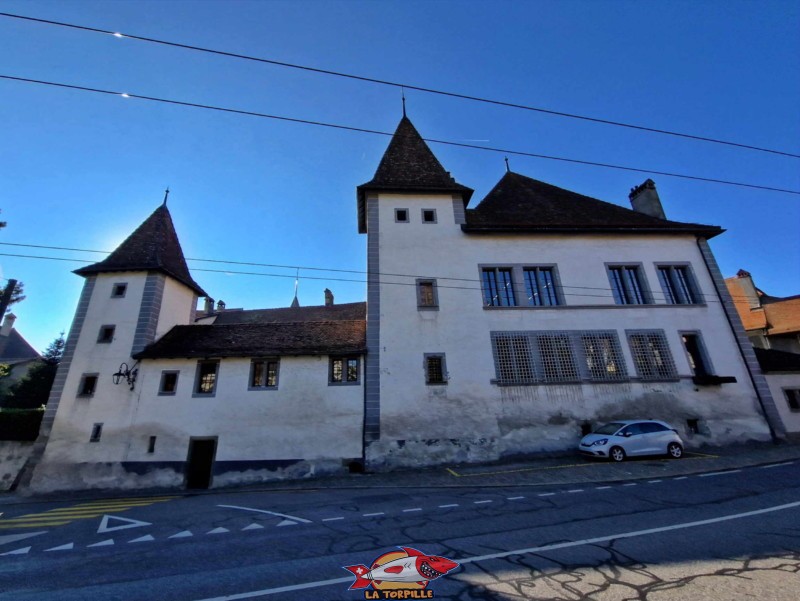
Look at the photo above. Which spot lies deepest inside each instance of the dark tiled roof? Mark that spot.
(260, 339)
(520, 203)
(346, 312)
(153, 246)
(771, 360)
(14, 348)
(408, 165)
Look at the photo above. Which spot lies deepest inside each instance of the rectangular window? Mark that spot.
(428, 215)
(118, 290)
(97, 432)
(696, 354)
(106, 334)
(792, 398)
(603, 356)
(343, 370)
(263, 374)
(206, 383)
(678, 286)
(651, 355)
(169, 383)
(626, 285)
(427, 295)
(498, 287)
(88, 385)
(540, 286)
(524, 358)
(151, 445)
(435, 371)
(401, 215)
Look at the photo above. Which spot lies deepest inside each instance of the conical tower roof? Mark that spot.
(153, 246)
(408, 165)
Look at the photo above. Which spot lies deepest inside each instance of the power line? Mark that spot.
(400, 85)
(506, 151)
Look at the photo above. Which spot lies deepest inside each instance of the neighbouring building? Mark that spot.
(15, 352)
(500, 330)
(782, 371)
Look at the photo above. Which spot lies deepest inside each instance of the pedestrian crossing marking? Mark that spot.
(81, 511)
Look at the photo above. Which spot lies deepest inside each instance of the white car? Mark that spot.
(632, 438)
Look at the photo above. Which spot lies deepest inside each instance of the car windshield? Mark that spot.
(609, 428)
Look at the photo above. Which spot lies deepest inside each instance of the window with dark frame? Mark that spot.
(206, 377)
(118, 290)
(558, 360)
(435, 369)
(540, 287)
(97, 432)
(603, 356)
(428, 215)
(498, 287)
(652, 356)
(678, 285)
(106, 334)
(169, 383)
(264, 373)
(88, 385)
(695, 354)
(427, 297)
(401, 215)
(626, 285)
(343, 370)
(792, 399)
(151, 445)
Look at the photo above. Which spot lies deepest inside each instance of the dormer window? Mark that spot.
(119, 290)
(428, 215)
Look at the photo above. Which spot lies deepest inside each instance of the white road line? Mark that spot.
(653, 481)
(601, 487)
(332, 519)
(575, 490)
(412, 509)
(450, 505)
(482, 502)
(546, 494)
(219, 530)
(766, 467)
(514, 498)
(184, 534)
(67, 547)
(719, 473)
(371, 515)
(478, 558)
(276, 514)
(630, 484)
(143, 539)
(22, 551)
(681, 478)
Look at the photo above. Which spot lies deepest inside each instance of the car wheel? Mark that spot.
(616, 454)
(675, 450)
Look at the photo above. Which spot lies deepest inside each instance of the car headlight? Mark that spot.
(600, 443)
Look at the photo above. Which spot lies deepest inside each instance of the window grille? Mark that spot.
(677, 285)
(264, 373)
(206, 377)
(343, 370)
(603, 356)
(626, 285)
(498, 287)
(651, 355)
(427, 297)
(558, 360)
(435, 370)
(540, 286)
(513, 358)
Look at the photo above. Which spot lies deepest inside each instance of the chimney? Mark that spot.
(644, 199)
(209, 306)
(749, 289)
(220, 306)
(8, 324)
(328, 298)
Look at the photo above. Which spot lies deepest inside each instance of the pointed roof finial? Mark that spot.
(508, 169)
(295, 302)
(403, 96)
(166, 194)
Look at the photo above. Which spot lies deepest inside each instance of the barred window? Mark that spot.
(626, 285)
(540, 286)
(206, 379)
(677, 284)
(264, 373)
(435, 370)
(557, 356)
(498, 287)
(427, 295)
(603, 356)
(651, 355)
(343, 370)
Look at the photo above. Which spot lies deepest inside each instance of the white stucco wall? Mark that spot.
(491, 420)
(777, 383)
(177, 306)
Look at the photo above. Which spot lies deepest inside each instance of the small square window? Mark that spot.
(428, 215)
(118, 290)
(206, 383)
(427, 294)
(263, 374)
(97, 432)
(106, 335)
(401, 215)
(793, 399)
(169, 383)
(88, 385)
(343, 370)
(435, 371)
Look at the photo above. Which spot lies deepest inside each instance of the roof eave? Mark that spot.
(707, 233)
(97, 268)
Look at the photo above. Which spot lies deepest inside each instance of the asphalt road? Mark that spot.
(721, 535)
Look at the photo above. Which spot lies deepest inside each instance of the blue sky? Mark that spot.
(82, 170)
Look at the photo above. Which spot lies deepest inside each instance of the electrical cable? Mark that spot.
(383, 133)
(401, 85)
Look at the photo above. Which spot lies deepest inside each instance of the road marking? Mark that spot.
(514, 498)
(681, 478)
(601, 487)
(412, 509)
(103, 543)
(653, 481)
(67, 547)
(575, 490)
(21, 551)
(276, 514)
(12, 538)
(766, 467)
(129, 523)
(448, 505)
(332, 519)
(528, 550)
(546, 494)
(370, 515)
(481, 502)
(253, 526)
(630, 484)
(719, 473)
(524, 469)
(142, 539)
(219, 530)
(82, 511)
(184, 534)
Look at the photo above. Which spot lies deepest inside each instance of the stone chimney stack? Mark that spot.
(328, 298)
(220, 306)
(8, 324)
(209, 306)
(644, 199)
(749, 288)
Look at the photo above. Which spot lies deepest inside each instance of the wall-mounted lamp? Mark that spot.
(127, 373)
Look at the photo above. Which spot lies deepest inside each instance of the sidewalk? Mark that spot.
(570, 469)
